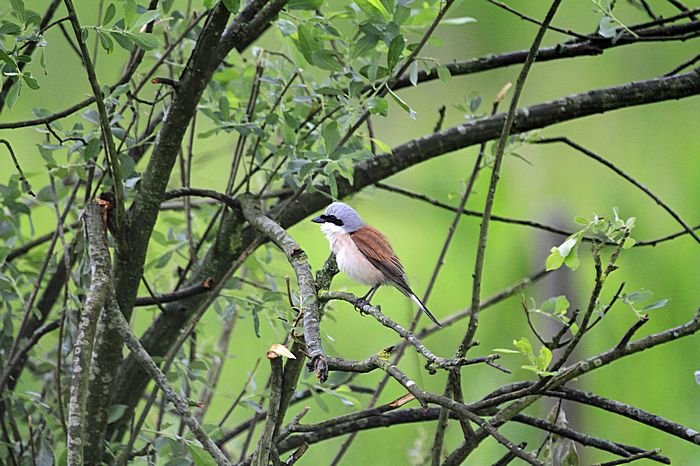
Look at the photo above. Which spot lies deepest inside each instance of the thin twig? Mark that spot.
(105, 126)
(627, 177)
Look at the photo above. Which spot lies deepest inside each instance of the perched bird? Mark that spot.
(363, 253)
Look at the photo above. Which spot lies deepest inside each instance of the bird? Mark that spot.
(364, 254)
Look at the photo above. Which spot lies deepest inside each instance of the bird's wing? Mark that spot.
(377, 249)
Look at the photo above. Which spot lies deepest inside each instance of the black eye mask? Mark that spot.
(332, 219)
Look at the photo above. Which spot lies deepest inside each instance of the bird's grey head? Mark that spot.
(342, 216)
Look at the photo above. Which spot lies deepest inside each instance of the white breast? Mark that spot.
(350, 260)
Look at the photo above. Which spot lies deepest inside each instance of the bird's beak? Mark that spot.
(318, 220)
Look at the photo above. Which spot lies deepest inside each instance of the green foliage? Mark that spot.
(604, 229)
(554, 308)
(324, 66)
(637, 298)
(539, 362)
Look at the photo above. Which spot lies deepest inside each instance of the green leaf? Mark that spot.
(656, 305)
(200, 457)
(413, 73)
(382, 146)
(378, 106)
(116, 412)
(333, 184)
(144, 18)
(20, 11)
(8, 59)
(110, 13)
(232, 5)
(331, 136)
(638, 296)
(130, 12)
(567, 246)
(556, 305)
(524, 346)
(42, 60)
(10, 29)
(504, 351)
(395, 48)
(31, 82)
(106, 42)
(458, 21)
(401, 14)
(286, 27)
(402, 104)
(444, 73)
(544, 358)
(554, 260)
(310, 41)
(364, 44)
(475, 103)
(374, 9)
(326, 60)
(144, 40)
(304, 4)
(224, 108)
(123, 40)
(346, 169)
(607, 27)
(629, 242)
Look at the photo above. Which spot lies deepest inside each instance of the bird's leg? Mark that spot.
(366, 299)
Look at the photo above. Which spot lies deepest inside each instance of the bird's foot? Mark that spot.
(359, 305)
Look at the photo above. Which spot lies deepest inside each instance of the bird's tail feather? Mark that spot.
(420, 304)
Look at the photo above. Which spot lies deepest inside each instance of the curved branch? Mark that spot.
(521, 222)
(628, 411)
(370, 171)
(570, 49)
(537, 116)
(624, 175)
(606, 445)
(305, 279)
(434, 360)
(384, 417)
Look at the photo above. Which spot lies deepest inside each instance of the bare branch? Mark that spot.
(82, 355)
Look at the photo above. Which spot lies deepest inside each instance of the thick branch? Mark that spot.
(180, 404)
(305, 279)
(529, 118)
(571, 49)
(141, 217)
(82, 354)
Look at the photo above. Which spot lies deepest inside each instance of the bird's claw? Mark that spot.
(359, 305)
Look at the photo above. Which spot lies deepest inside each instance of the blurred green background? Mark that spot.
(658, 144)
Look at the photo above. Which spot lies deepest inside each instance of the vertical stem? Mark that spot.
(82, 355)
(495, 176)
(110, 149)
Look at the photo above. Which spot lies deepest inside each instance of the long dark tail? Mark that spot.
(415, 299)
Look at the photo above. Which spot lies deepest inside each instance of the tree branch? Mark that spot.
(82, 354)
(569, 49)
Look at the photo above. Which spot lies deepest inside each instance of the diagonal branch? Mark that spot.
(305, 279)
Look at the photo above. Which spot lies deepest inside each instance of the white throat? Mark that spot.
(333, 234)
